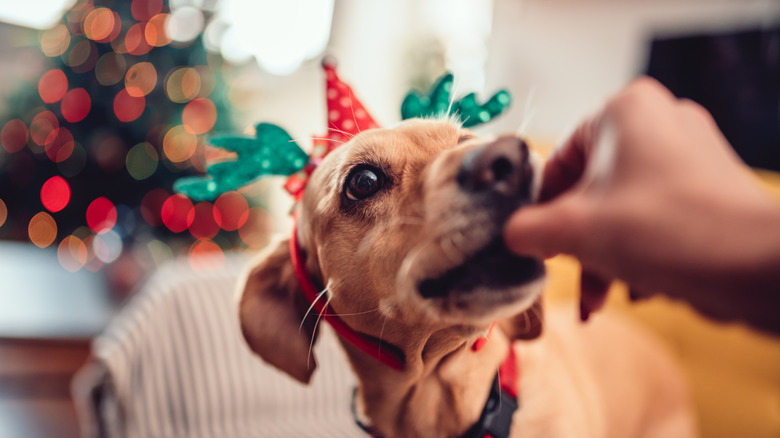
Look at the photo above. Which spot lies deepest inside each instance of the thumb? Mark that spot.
(543, 230)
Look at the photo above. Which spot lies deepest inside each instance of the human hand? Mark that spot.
(650, 192)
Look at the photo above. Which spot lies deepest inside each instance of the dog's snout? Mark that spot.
(498, 167)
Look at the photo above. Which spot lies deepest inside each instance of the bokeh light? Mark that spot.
(107, 247)
(177, 213)
(59, 145)
(256, 232)
(128, 108)
(155, 31)
(75, 163)
(3, 212)
(13, 136)
(83, 56)
(141, 161)
(42, 125)
(182, 84)
(151, 206)
(42, 230)
(231, 211)
(72, 253)
(100, 25)
(206, 255)
(55, 194)
(184, 24)
(53, 85)
(143, 10)
(179, 144)
(141, 79)
(135, 40)
(109, 153)
(110, 68)
(199, 116)
(101, 215)
(55, 41)
(76, 105)
(204, 227)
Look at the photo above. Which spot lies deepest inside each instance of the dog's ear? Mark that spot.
(271, 308)
(525, 325)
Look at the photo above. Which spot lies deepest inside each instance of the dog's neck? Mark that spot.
(443, 386)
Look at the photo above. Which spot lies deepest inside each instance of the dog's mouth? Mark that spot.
(493, 268)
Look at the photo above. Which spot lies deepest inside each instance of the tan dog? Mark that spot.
(402, 227)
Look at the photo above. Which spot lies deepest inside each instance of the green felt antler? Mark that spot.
(437, 103)
(271, 152)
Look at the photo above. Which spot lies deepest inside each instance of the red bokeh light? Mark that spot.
(55, 194)
(177, 213)
(204, 227)
(151, 205)
(53, 85)
(199, 116)
(59, 145)
(76, 105)
(101, 215)
(135, 40)
(13, 137)
(231, 211)
(128, 108)
(143, 10)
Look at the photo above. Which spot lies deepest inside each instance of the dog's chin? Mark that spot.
(489, 279)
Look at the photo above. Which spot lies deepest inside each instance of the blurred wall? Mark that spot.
(570, 55)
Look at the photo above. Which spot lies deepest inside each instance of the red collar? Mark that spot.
(388, 354)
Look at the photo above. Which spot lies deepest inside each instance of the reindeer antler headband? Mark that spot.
(272, 151)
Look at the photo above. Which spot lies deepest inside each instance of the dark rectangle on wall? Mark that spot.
(736, 76)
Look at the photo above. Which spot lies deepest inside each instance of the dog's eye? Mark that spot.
(363, 182)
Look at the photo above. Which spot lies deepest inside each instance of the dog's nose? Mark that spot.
(500, 167)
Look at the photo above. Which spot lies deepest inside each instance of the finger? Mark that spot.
(543, 230)
(593, 290)
(566, 165)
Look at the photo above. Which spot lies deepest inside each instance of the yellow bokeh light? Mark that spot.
(55, 41)
(72, 253)
(99, 24)
(140, 79)
(179, 145)
(155, 31)
(42, 230)
(182, 84)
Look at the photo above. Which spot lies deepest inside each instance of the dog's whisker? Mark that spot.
(382, 334)
(311, 306)
(528, 113)
(303, 140)
(347, 134)
(314, 332)
(351, 314)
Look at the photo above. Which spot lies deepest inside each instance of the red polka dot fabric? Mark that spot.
(346, 115)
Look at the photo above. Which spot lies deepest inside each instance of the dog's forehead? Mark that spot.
(409, 140)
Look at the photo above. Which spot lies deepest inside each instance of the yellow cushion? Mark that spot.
(734, 371)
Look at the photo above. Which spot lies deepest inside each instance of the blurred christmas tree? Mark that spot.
(94, 145)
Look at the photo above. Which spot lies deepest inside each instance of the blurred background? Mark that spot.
(105, 103)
